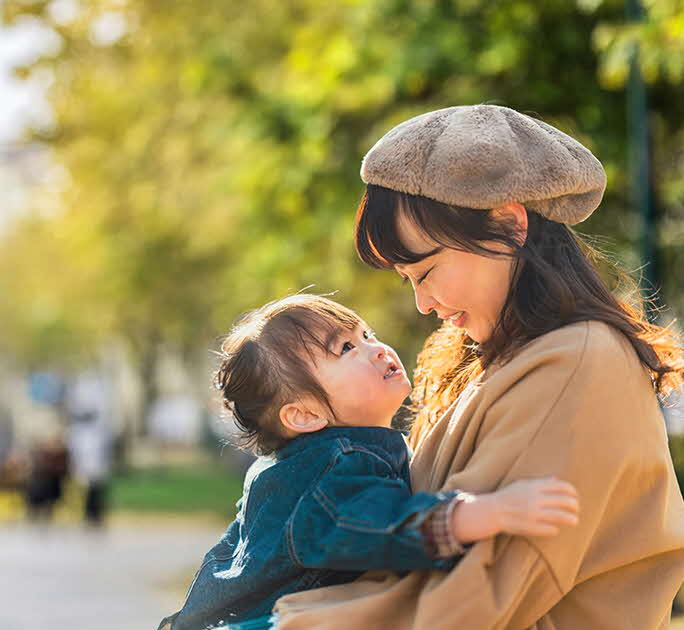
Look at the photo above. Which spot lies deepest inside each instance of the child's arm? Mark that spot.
(361, 516)
(531, 507)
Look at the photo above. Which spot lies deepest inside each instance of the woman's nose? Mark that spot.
(424, 303)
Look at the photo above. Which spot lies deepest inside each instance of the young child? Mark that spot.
(314, 392)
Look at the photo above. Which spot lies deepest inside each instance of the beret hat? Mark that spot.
(483, 156)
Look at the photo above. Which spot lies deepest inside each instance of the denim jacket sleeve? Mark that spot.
(361, 515)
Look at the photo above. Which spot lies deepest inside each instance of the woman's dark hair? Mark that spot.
(555, 282)
(266, 362)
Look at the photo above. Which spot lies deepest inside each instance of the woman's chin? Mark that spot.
(477, 334)
(473, 334)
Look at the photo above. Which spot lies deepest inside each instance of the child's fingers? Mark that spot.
(541, 529)
(561, 501)
(558, 485)
(560, 517)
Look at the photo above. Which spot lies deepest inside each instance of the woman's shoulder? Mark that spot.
(589, 362)
(580, 337)
(591, 346)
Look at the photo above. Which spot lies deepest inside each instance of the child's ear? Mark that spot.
(299, 418)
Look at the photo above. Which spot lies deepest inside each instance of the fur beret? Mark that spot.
(482, 156)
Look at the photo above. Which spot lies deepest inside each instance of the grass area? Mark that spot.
(180, 489)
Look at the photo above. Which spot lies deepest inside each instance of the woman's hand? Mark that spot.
(534, 507)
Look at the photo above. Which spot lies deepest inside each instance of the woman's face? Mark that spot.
(469, 290)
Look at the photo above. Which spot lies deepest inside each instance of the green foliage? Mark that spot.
(659, 36)
(212, 151)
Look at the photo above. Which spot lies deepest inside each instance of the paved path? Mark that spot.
(125, 578)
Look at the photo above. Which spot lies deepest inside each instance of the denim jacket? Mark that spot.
(323, 509)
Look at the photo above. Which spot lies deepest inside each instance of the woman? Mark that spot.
(471, 205)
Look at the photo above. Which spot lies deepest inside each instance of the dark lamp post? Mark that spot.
(639, 135)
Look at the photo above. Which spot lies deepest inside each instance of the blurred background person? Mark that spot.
(48, 468)
(90, 444)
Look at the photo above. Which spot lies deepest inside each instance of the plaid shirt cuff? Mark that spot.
(437, 531)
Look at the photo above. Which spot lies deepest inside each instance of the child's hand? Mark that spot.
(535, 507)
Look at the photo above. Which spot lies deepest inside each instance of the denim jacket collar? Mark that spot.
(386, 438)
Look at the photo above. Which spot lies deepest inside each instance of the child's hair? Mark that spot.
(266, 363)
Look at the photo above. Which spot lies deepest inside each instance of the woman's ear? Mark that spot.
(299, 417)
(518, 214)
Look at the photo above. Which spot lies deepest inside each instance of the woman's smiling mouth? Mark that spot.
(457, 319)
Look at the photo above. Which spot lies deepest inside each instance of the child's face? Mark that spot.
(364, 379)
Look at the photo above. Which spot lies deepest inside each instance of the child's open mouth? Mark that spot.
(391, 371)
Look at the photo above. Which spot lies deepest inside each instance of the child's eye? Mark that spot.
(346, 347)
(367, 334)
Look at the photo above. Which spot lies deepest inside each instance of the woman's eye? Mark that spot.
(425, 275)
(346, 347)
(405, 279)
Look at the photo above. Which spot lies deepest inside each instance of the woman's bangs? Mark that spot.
(376, 235)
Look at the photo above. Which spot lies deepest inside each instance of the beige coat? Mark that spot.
(575, 403)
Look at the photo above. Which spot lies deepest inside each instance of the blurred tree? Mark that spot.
(659, 36)
(213, 150)
(137, 261)
(658, 39)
